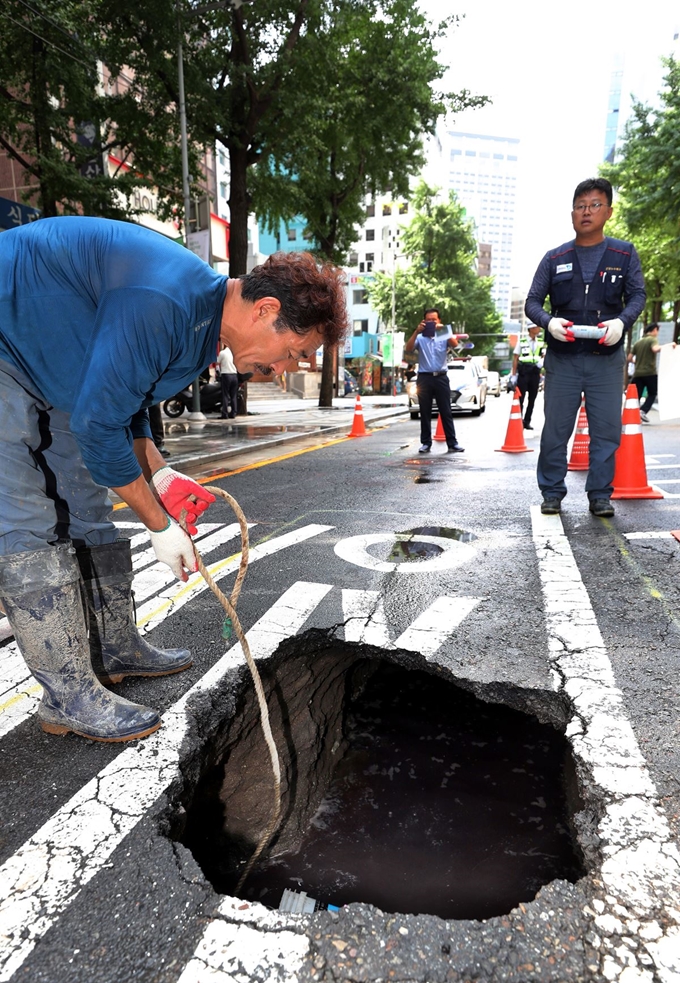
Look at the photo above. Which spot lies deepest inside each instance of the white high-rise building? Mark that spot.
(482, 170)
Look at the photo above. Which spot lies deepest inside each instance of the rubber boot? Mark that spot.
(116, 647)
(41, 591)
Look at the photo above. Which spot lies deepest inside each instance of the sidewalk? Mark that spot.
(270, 423)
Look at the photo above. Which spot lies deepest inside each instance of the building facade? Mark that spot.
(482, 170)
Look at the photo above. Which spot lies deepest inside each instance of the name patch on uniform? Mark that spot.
(564, 268)
(202, 324)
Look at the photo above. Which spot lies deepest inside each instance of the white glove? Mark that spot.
(557, 326)
(513, 380)
(172, 546)
(614, 331)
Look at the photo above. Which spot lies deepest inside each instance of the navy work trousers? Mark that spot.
(600, 379)
(431, 386)
(47, 495)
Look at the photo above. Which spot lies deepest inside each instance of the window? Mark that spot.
(359, 296)
(369, 266)
(387, 210)
(470, 153)
(358, 327)
(292, 235)
(223, 189)
(370, 257)
(370, 211)
(353, 259)
(498, 156)
(370, 235)
(403, 208)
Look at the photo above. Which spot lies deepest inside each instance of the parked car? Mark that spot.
(468, 389)
(348, 382)
(493, 384)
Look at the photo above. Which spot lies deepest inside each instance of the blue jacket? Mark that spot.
(106, 318)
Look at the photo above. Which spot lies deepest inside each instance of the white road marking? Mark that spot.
(663, 467)
(354, 550)
(238, 953)
(20, 694)
(648, 535)
(641, 866)
(365, 621)
(45, 875)
(144, 557)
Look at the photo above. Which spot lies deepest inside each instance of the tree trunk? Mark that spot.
(327, 376)
(238, 211)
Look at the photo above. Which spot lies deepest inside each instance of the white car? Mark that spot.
(468, 389)
(493, 384)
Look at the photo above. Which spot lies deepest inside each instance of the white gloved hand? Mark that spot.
(513, 380)
(614, 331)
(172, 546)
(558, 328)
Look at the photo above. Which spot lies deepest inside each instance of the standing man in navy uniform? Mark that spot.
(591, 280)
(433, 380)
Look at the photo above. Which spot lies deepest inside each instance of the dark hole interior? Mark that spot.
(436, 802)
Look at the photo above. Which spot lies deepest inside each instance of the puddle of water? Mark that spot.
(442, 805)
(448, 532)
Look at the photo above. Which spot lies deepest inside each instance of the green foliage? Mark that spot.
(440, 244)
(50, 86)
(647, 177)
(353, 122)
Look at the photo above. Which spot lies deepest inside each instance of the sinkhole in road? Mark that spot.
(400, 789)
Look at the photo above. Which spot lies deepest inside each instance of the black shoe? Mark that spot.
(527, 426)
(424, 449)
(551, 506)
(602, 508)
(164, 452)
(455, 449)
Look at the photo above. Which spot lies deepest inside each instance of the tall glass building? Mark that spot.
(482, 170)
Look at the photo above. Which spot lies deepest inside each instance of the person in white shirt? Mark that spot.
(229, 383)
(526, 370)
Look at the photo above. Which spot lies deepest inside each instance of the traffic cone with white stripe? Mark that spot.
(514, 438)
(630, 474)
(358, 427)
(580, 455)
(439, 432)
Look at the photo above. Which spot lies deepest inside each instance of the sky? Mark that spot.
(547, 68)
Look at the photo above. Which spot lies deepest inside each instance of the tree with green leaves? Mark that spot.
(59, 121)
(440, 245)
(646, 174)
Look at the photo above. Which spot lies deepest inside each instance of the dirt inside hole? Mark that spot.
(401, 789)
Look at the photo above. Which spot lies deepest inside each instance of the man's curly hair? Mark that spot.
(311, 294)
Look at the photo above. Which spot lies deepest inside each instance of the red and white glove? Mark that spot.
(559, 329)
(176, 492)
(614, 331)
(172, 546)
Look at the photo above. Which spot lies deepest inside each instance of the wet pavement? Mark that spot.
(270, 423)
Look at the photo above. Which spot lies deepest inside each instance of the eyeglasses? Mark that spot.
(594, 206)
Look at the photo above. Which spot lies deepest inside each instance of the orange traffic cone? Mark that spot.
(580, 457)
(630, 474)
(358, 428)
(675, 533)
(514, 438)
(439, 432)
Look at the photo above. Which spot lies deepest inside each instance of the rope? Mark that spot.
(229, 605)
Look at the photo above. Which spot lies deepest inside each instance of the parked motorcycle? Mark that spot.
(211, 400)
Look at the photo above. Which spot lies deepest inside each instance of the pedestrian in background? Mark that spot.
(527, 363)
(643, 355)
(433, 380)
(228, 383)
(594, 281)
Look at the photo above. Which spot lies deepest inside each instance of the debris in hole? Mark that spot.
(299, 903)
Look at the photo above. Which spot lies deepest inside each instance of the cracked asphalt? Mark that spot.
(575, 620)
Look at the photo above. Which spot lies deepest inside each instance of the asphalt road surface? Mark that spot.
(438, 563)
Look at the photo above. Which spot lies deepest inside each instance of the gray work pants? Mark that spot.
(600, 379)
(46, 493)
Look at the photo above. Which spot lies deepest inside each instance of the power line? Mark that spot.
(50, 44)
